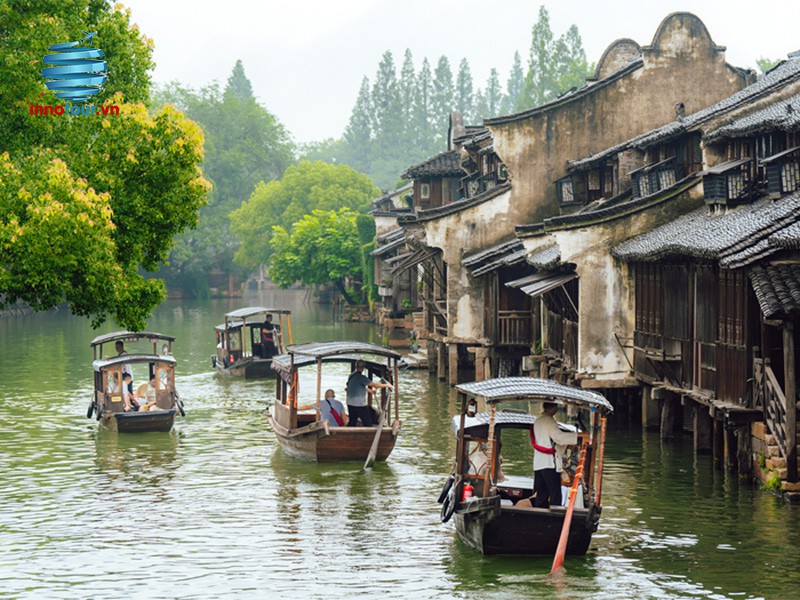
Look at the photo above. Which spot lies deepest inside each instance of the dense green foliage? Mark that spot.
(86, 202)
(322, 248)
(245, 145)
(305, 187)
(398, 122)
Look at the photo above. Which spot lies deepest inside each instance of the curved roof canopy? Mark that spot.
(130, 336)
(530, 388)
(249, 311)
(133, 359)
(323, 349)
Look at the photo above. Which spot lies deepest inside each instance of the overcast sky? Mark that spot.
(306, 59)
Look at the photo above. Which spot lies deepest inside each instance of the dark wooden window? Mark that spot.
(705, 327)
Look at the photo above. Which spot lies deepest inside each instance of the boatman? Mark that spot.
(548, 447)
(358, 385)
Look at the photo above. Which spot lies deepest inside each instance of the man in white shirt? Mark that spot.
(549, 443)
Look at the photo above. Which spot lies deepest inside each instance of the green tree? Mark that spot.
(494, 94)
(127, 183)
(407, 87)
(442, 101)
(238, 84)
(766, 64)
(423, 108)
(57, 245)
(358, 134)
(28, 29)
(481, 106)
(387, 123)
(245, 144)
(323, 247)
(570, 66)
(554, 66)
(539, 81)
(464, 92)
(304, 187)
(514, 85)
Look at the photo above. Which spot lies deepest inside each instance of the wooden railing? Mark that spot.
(514, 328)
(768, 395)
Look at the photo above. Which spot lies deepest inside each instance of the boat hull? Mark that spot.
(139, 422)
(494, 529)
(255, 369)
(319, 443)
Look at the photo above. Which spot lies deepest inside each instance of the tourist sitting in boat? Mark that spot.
(147, 392)
(130, 403)
(358, 385)
(330, 410)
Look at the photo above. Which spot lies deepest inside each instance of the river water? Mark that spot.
(215, 508)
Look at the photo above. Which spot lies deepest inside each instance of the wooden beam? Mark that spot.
(790, 392)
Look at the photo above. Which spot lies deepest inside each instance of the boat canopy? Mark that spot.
(325, 349)
(283, 362)
(133, 358)
(250, 311)
(530, 388)
(502, 418)
(130, 336)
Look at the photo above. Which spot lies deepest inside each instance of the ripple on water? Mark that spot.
(215, 509)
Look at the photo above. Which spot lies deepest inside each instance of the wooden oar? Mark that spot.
(561, 549)
(373, 451)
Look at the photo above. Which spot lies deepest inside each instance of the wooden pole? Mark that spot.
(600, 455)
(396, 382)
(490, 448)
(289, 328)
(790, 391)
(319, 387)
(561, 549)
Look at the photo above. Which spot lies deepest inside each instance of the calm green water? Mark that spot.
(215, 509)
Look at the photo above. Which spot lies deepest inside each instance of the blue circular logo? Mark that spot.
(79, 72)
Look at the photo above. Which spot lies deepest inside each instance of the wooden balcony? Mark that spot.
(514, 328)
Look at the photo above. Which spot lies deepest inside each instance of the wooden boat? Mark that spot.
(107, 403)
(491, 520)
(247, 341)
(304, 434)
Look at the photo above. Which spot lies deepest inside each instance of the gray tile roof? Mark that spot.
(443, 164)
(429, 214)
(779, 116)
(547, 258)
(787, 238)
(782, 74)
(735, 238)
(505, 254)
(391, 240)
(777, 289)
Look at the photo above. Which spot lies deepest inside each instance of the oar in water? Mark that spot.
(561, 549)
(373, 451)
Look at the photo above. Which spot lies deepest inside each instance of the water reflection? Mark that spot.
(147, 460)
(215, 508)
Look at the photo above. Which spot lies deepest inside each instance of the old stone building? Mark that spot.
(509, 174)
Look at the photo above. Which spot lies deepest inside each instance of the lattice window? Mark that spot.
(790, 176)
(567, 194)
